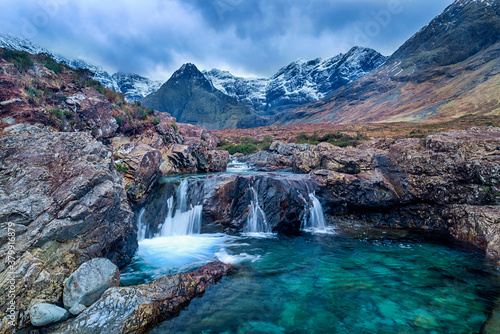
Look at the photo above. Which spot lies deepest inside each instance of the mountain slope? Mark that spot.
(191, 98)
(133, 86)
(299, 82)
(448, 69)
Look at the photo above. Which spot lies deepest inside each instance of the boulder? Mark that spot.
(267, 161)
(96, 111)
(209, 161)
(140, 165)
(194, 135)
(348, 160)
(77, 309)
(289, 148)
(68, 203)
(43, 314)
(133, 309)
(185, 159)
(89, 281)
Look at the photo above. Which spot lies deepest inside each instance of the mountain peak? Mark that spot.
(463, 29)
(188, 71)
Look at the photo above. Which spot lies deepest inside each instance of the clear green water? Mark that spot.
(362, 282)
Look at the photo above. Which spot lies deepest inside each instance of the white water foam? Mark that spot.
(225, 257)
(316, 221)
(235, 166)
(256, 221)
(175, 251)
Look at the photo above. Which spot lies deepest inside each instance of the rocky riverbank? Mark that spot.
(448, 182)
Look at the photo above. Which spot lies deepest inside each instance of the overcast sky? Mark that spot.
(247, 37)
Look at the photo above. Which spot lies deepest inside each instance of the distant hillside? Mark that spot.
(449, 69)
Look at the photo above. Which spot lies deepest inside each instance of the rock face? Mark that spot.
(61, 193)
(44, 314)
(172, 148)
(96, 110)
(133, 309)
(88, 282)
(447, 182)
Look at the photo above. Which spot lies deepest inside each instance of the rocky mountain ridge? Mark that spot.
(132, 85)
(449, 69)
(299, 82)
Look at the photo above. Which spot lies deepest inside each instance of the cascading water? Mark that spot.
(316, 220)
(235, 166)
(183, 222)
(176, 244)
(256, 221)
(141, 227)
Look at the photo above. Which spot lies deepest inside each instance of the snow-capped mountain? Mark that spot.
(249, 91)
(134, 86)
(299, 82)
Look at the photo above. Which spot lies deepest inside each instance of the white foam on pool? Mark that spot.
(225, 257)
(175, 251)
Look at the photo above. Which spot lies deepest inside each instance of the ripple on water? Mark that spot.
(339, 284)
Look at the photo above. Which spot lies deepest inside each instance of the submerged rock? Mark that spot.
(133, 309)
(68, 202)
(43, 314)
(89, 281)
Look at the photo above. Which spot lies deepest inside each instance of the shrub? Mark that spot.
(120, 120)
(156, 120)
(245, 149)
(22, 60)
(57, 113)
(52, 65)
(174, 126)
(33, 92)
(337, 139)
(111, 95)
(121, 167)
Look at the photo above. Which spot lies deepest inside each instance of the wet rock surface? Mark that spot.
(68, 203)
(133, 309)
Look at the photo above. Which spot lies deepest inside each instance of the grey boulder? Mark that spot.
(43, 314)
(88, 282)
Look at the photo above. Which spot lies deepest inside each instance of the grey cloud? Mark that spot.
(154, 38)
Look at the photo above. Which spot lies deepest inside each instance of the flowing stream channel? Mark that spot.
(322, 281)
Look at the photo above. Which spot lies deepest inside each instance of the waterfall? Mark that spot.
(141, 227)
(235, 166)
(256, 220)
(183, 221)
(316, 219)
(180, 219)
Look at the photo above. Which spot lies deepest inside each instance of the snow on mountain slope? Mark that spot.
(299, 82)
(249, 91)
(133, 86)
